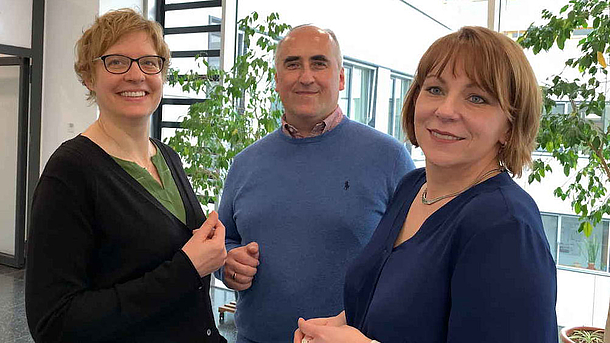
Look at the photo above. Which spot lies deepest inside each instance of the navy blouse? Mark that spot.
(479, 269)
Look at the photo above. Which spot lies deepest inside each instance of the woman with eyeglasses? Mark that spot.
(119, 248)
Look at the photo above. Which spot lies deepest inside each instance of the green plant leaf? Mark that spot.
(586, 228)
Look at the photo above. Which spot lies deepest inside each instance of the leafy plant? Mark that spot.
(239, 107)
(571, 136)
(587, 336)
(590, 248)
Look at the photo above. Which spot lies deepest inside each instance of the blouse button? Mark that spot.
(200, 287)
(209, 332)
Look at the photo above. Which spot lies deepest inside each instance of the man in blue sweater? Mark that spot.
(299, 204)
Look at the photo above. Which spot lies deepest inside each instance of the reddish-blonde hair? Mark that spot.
(105, 32)
(498, 66)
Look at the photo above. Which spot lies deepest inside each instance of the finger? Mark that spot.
(242, 269)
(319, 321)
(238, 286)
(206, 228)
(236, 283)
(298, 336)
(306, 328)
(311, 329)
(240, 256)
(242, 279)
(230, 272)
(219, 232)
(252, 249)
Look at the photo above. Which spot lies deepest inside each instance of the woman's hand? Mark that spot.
(328, 330)
(335, 321)
(206, 249)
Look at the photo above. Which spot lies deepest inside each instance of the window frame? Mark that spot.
(349, 65)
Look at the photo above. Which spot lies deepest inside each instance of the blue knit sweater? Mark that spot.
(311, 204)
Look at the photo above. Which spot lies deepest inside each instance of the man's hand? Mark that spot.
(206, 249)
(240, 267)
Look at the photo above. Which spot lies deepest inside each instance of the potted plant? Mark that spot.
(590, 249)
(239, 109)
(582, 334)
(569, 136)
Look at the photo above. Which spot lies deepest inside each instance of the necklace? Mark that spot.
(478, 180)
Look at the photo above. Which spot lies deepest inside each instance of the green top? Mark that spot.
(167, 193)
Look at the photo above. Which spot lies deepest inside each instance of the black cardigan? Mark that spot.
(104, 260)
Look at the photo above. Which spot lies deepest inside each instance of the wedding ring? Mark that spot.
(233, 277)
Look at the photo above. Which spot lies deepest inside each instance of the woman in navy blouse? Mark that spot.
(461, 254)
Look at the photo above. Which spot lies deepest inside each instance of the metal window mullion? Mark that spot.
(392, 98)
(558, 238)
(191, 29)
(171, 124)
(607, 248)
(373, 97)
(193, 53)
(22, 161)
(35, 100)
(180, 101)
(15, 50)
(193, 5)
(349, 90)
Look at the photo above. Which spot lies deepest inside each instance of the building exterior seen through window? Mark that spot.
(399, 86)
(573, 248)
(356, 100)
(562, 107)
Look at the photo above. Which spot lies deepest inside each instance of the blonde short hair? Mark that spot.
(498, 66)
(105, 32)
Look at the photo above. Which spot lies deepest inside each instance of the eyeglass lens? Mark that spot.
(119, 64)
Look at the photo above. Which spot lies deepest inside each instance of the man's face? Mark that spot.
(308, 77)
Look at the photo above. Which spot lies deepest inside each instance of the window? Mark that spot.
(559, 108)
(214, 42)
(550, 229)
(573, 248)
(356, 100)
(606, 116)
(600, 121)
(399, 87)
(576, 250)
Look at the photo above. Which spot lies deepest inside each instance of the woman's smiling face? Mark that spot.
(458, 124)
(133, 94)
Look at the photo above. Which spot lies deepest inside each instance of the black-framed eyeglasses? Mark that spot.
(120, 64)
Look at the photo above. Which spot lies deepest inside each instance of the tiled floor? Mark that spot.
(14, 328)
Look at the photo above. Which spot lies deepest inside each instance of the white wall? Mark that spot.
(16, 23)
(107, 5)
(385, 32)
(9, 107)
(542, 192)
(582, 298)
(65, 111)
